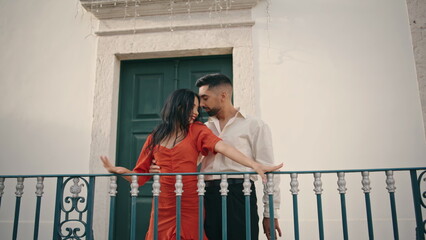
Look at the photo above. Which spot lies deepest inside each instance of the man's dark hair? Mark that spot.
(213, 80)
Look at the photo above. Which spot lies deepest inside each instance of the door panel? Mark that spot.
(144, 86)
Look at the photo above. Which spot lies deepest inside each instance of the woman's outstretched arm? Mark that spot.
(113, 169)
(235, 155)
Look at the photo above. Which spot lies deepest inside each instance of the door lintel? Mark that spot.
(173, 54)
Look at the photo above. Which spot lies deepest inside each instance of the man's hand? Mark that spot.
(154, 168)
(267, 228)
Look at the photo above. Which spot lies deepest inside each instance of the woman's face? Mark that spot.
(195, 113)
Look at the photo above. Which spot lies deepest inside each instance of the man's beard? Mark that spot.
(212, 112)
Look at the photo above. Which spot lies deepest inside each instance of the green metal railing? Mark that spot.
(73, 217)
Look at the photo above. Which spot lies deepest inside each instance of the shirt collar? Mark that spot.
(238, 114)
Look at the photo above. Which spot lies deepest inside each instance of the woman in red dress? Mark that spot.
(175, 145)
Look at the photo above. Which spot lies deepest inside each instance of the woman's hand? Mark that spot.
(111, 168)
(261, 169)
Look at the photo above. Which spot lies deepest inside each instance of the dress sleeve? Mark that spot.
(204, 138)
(144, 162)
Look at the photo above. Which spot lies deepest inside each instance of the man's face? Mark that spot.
(210, 100)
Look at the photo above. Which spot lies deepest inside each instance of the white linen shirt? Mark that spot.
(252, 137)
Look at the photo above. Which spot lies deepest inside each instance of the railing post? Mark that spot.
(415, 186)
(112, 196)
(39, 194)
(201, 190)
(366, 188)
(341, 183)
(134, 194)
(19, 192)
(270, 191)
(90, 205)
(59, 189)
(247, 193)
(224, 192)
(390, 186)
(1, 188)
(318, 191)
(156, 192)
(294, 184)
(178, 191)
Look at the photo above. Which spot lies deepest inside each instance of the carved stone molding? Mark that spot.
(175, 28)
(108, 9)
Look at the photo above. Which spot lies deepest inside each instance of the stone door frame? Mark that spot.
(148, 37)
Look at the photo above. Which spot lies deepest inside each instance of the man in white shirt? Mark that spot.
(253, 138)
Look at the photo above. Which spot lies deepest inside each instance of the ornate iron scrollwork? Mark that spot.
(75, 209)
(421, 179)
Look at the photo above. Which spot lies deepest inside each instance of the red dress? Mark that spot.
(181, 158)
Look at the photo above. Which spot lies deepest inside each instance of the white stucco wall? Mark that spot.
(337, 84)
(46, 100)
(343, 75)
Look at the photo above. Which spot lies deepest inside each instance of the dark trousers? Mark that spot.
(236, 225)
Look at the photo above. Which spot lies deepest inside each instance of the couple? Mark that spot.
(175, 145)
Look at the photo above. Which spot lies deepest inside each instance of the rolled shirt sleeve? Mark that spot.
(263, 153)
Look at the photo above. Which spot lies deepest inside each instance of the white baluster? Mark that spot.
(224, 185)
(270, 184)
(134, 186)
(1, 186)
(294, 184)
(366, 182)
(390, 181)
(247, 185)
(20, 187)
(179, 185)
(341, 182)
(113, 186)
(156, 186)
(201, 185)
(317, 183)
(39, 186)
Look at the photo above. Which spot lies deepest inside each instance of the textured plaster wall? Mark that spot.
(46, 93)
(338, 86)
(417, 16)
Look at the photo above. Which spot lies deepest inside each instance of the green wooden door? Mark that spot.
(144, 86)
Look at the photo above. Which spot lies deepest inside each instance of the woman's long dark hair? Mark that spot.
(175, 116)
